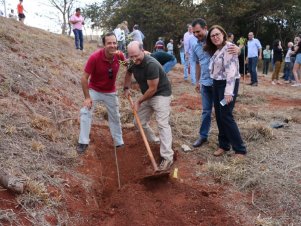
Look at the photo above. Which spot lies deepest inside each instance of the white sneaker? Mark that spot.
(165, 164)
(273, 83)
(296, 84)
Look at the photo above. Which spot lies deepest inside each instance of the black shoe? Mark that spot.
(199, 142)
(250, 84)
(254, 84)
(119, 146)
(81, 148)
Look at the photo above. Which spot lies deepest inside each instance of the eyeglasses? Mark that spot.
(110, 72)
(215, 35)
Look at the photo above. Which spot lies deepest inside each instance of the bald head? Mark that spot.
(135, 45)
(135, 52)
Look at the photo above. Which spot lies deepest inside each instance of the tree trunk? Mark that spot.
(12, 183)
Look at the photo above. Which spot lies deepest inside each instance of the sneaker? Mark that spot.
(81, 148)
(273, 83)
(254, 84)
(296, 84)
(165, 164)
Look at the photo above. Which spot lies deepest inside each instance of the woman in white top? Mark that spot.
(224, 70)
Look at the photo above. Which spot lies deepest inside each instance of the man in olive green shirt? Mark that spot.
(156, 98)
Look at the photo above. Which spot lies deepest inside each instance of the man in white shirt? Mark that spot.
(170, 47)
(186, 38)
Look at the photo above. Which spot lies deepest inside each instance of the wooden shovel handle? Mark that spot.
(150, 154)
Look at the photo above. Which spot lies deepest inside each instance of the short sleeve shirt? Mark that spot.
(102, 72)
(79, 24)
(150, 69)
(253, 47)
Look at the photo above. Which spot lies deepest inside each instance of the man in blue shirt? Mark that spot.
(254, 53)
(203, 80)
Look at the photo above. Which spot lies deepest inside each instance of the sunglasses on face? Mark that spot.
(110, 73)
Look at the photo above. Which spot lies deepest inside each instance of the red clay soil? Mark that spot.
(8, 202)
(163, 201)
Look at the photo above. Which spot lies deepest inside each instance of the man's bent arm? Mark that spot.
(150, 92)
(85, 87)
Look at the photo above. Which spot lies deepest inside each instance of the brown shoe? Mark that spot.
(239, 156)
(219, 152)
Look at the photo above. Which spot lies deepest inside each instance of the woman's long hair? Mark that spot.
(209, 46)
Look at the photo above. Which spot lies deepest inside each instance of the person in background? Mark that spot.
(77, 21)
(186, 38)
(243, 66)
(182, 52)
(136, 34)
(169, 47)
(277, 58)
(167, 60)
(99, 86)
(266, 59)
(230, 37)
(119, 33)
(159, 46)
(297, 65)
(254, 54)
(224, 71)
(192, 63)
(287, 71)
(21, 10)
(12, 15)
(297, 39)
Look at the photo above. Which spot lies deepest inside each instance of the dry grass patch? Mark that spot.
(37, 146)
(253, 131)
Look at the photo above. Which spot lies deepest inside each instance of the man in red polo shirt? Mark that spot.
(98, 84)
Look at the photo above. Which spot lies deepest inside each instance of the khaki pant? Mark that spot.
(160, 105)
(275, 75)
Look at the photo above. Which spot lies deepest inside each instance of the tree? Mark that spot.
(157, 18)
(65, 7)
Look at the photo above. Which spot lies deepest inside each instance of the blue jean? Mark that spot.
(252, 68)
(78, 37)
(266, 63)
(207, 104)
(192, 70)
(186, 65)
(288, 71)
(111, 103)
(228, 132)
(182, 56)
(169, 65)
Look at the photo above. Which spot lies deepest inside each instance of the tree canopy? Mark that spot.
(268, 19)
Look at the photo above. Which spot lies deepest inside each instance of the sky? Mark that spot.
(40, 14)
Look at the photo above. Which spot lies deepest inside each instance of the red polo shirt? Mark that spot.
(98, 68)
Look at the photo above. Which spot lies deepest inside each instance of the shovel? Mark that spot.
(157, 173)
